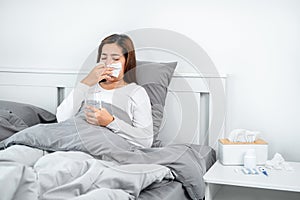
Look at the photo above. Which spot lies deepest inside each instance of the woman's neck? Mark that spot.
(113, 85)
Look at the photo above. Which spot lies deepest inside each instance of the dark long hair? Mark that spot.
(126, 44)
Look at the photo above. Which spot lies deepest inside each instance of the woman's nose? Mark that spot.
(108, 61)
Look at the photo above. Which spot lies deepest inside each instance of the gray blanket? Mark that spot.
(76, 134)
(73, 175)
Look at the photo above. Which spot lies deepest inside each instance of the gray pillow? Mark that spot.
(155, 78)
(10, 124)
(30, 114)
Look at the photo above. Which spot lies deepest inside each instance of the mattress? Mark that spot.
(173, 190)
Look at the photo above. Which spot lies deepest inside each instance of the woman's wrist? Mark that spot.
(110, 121)
(87, 82)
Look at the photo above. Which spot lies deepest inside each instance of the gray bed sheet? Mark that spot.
(173, 190)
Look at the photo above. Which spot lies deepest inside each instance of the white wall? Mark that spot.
(257, 42)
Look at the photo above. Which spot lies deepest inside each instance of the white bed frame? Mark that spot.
(187, 117)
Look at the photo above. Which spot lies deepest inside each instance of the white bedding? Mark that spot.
(74, 175)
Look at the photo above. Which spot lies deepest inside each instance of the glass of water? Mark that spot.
(93, 99)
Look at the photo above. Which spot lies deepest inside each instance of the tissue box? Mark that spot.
(232, 153)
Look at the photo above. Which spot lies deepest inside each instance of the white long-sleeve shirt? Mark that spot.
(131, 98)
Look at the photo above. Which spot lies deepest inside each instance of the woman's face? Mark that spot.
(112, 53)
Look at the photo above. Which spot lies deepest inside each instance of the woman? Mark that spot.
(118, 89)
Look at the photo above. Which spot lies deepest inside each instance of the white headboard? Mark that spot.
(187, 117)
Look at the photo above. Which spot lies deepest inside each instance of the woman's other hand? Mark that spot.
(98, 73)
(98, 116)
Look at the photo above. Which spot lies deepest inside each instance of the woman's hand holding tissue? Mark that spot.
(98, 73)
(243, 135)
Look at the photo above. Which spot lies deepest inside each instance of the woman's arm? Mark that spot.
(70, 105)
(140, 132)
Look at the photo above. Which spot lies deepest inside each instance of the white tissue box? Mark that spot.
(232, 153)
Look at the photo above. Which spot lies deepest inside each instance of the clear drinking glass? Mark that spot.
(93, 99)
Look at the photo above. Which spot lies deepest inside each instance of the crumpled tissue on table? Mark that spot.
(243, 135)
(278, 163)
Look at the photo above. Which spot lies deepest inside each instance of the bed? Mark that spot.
(186, 122)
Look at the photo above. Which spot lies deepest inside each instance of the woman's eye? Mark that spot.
(103, 58)
(116, 59)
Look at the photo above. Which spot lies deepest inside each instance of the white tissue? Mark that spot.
(278, 163)
(117, 68)
(242, 135)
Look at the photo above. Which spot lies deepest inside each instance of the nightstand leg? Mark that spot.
(211, 190)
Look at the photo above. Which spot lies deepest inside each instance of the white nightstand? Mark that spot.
(229, 182)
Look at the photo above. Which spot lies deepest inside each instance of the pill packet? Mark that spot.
(250, 171)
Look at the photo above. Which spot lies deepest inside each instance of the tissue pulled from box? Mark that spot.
(243, 135)
(278, 163)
